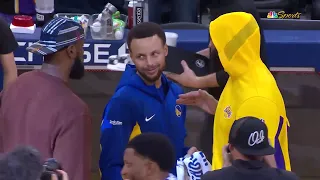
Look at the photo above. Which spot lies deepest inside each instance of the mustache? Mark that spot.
(152, 67)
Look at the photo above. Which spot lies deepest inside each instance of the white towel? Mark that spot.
(193, 167)
(171, 177)
(181, 168)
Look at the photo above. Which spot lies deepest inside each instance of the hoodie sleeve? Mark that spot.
(183, 116)
(116, 127)
(265, 110)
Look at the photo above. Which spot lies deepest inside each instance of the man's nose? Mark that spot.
(124, 171)
(149, 61)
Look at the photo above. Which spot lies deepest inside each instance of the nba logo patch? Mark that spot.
(227, 112)
(178, 110)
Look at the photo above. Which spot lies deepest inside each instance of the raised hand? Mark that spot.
(201, 99)
(188, 78)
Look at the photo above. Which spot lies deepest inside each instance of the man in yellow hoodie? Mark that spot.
(250, 91)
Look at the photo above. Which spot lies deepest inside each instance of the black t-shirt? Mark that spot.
(249, 170)
(8, 42)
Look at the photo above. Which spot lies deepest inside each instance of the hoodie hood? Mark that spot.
(132, 79)
(236, 37)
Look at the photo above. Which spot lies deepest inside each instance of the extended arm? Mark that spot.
(8, 44)
(218, 79)
(9, 67)
(189, 79)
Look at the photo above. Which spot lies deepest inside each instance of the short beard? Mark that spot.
(77, 69)
(153, 79)
(148, 79)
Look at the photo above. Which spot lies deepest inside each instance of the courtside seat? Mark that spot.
(290, 24)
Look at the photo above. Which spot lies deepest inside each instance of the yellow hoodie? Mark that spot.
(251, 89)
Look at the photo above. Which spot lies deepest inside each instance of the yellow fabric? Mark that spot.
(251, 89)
(136, 131)
(16, 6)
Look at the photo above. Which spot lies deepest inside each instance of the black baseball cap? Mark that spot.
(249, 135)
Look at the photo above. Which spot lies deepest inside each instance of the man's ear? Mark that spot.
(230, 147)
(166, 50)
(131, 56)
(72, 51)
(151, 167)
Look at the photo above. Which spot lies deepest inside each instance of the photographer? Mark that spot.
(243, 156)
(24, 163)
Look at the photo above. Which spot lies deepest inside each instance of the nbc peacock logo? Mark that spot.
(272, 15)
(283, 15)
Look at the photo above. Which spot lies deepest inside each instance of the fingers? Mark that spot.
(186, 102)
(225, 148)
(189, 98)
(172, 76)
(205, 95)
(191, 94)
(185, 65)
(64, 175)
(192, 150)
(202, 92)
(54, 177)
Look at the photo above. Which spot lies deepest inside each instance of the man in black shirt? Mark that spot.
(216, 81)
(7, 45)
(243, 156)
(219, 79)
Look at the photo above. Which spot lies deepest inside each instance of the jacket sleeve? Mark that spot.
(184, 117)
(73, 144)
(265, 110)
(116, 127)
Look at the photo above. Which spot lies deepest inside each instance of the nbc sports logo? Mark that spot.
(272, 15)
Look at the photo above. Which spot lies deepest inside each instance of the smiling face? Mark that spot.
(134, 166)
(148, 54)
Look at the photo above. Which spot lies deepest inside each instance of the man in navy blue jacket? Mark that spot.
(144, 101)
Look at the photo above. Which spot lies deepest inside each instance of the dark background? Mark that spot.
(301, 93)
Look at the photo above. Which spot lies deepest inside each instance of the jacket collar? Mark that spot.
(252, 164)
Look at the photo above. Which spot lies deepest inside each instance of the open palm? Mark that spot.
(201, 99)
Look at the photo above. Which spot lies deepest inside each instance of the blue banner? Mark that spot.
(285, 49)
(94, 53)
